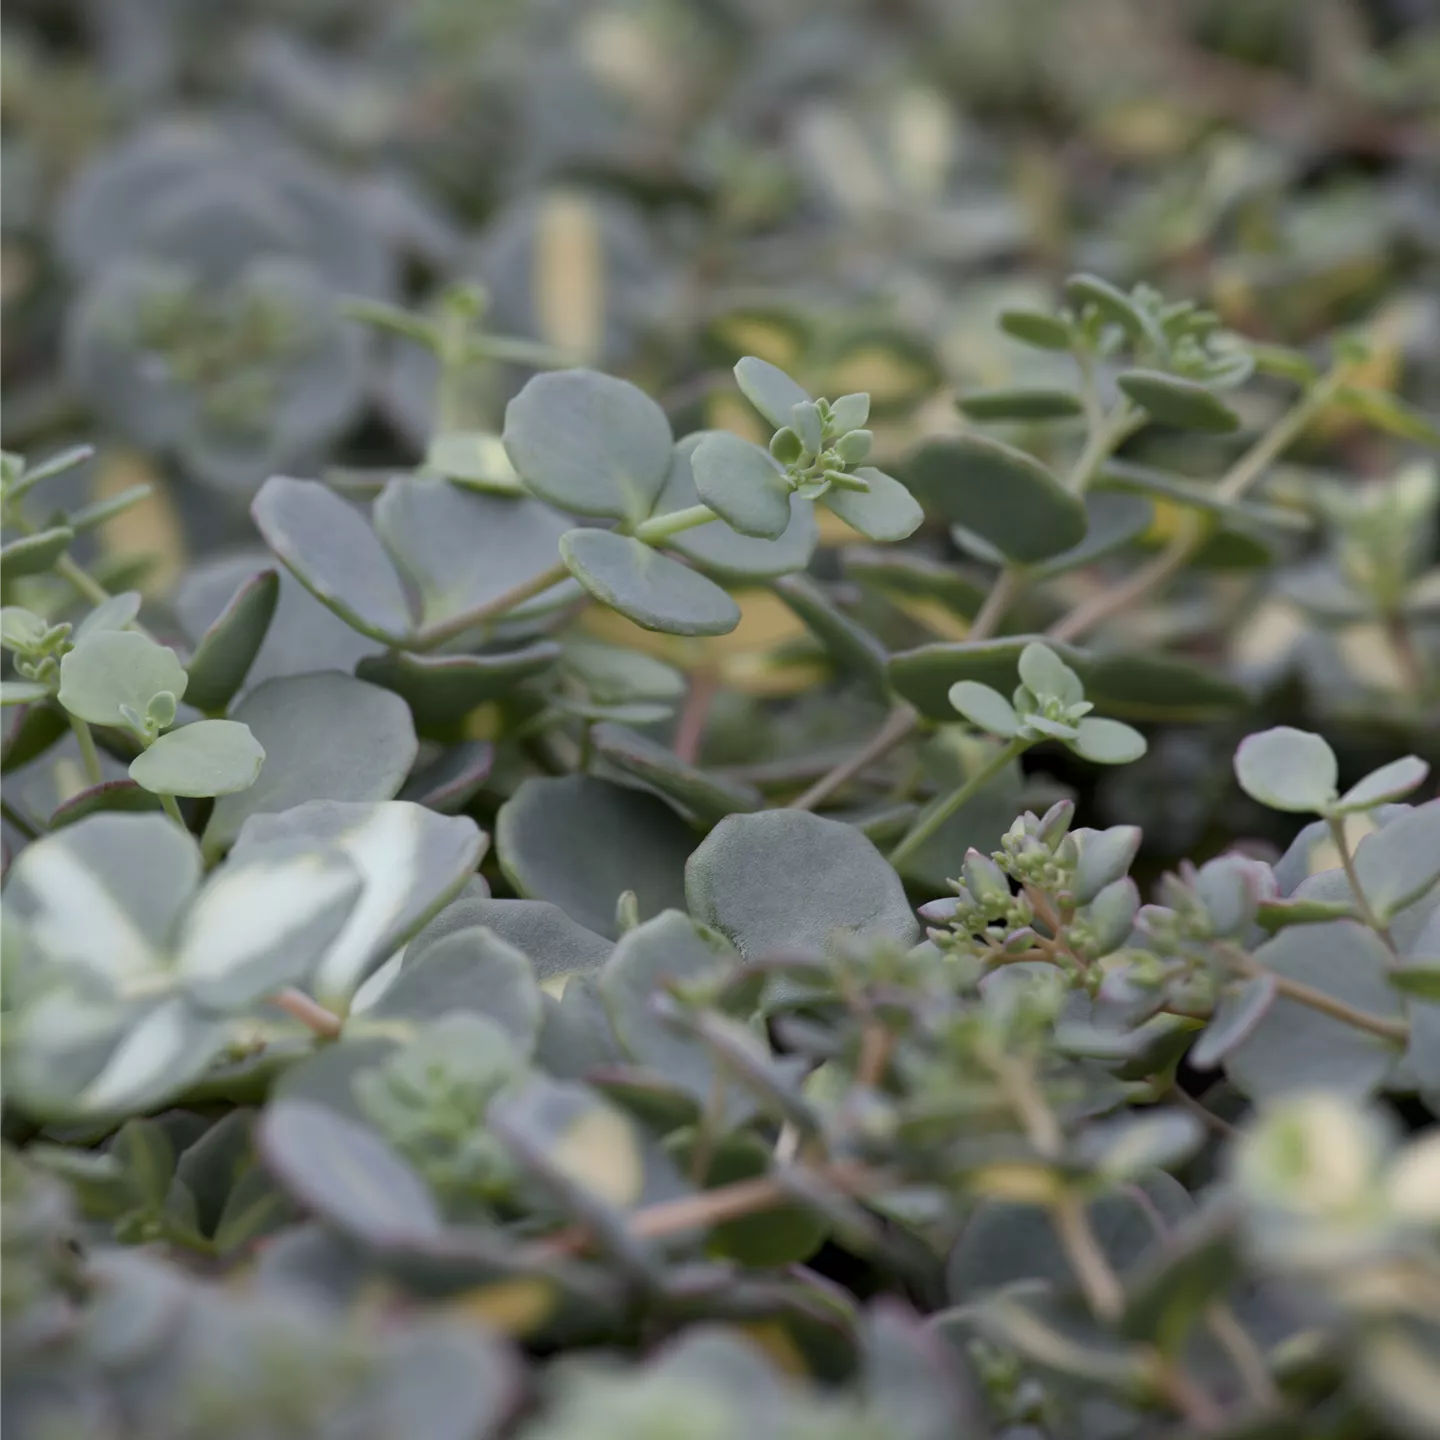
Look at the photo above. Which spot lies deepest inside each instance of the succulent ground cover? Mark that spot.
(698, 741)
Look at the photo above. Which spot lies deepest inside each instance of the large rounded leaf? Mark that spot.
(789, 880)
(412, 862)
(589, 443)
(1287, 769)
(1295, 1047)
(554, 943)
(1004, 495)
(326, 737)
(210, 757)
(461, 551)
(104, 894)
(582, 842)
(116, 668)
(651, 589)
(334, 554)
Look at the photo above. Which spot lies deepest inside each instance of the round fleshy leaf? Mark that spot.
(789, 880)
(589, 443)
(1295, 1047)
(719, 550)
(228, 648)
(1004, 495)
(325, 737)
(651, 589)
(1400, 862)
(334, 554)
(461, 551)
(1045, 675)
(104, 894)
(117, 668)
(1108, 742)
(668, 948)
(345, 1173)
(1115, 306)
(886, 511)
(1287, 769)
(554, 944)
(1020, 404)
(742, 485)
(470, 971)
(210, 757)
(1384, 786)
(1186, 404)
(262, 923)
(412, 861)
(769, 389)
(985, 708)
(582, 842)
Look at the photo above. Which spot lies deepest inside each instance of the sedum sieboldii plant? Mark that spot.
(380, 937)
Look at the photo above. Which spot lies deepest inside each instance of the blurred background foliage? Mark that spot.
(199, 198)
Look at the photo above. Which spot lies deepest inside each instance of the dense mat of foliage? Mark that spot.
(719, 719)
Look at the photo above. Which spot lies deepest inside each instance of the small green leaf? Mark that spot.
(1383, 786)
(719, 550)
(742, 484)
(1036, 329)
(117, 668)
(1115, 306)
(589, 443)
(769, 389)
(884, 511)
(35, 554)
(1287, 769)
(1018, 404)
(210, 757)
(985, 708)
(1047, 676)
(1389, 413)
(1186, 404)
(1004, 495)
(334, 554)
(1422, 981)
(22, 692)
(1108, 742)
(228, 647)
(475, 459)
(651, 589)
